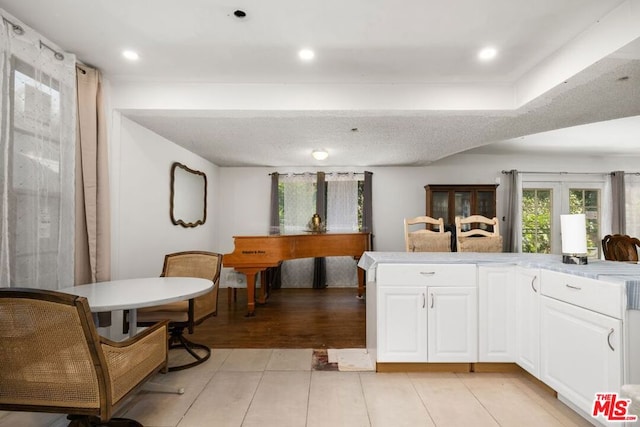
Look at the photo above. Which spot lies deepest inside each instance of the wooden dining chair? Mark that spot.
(53, 360)
(431, 237)
(477, 233)
(620, 247)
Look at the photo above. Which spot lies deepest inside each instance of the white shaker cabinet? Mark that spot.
(402, 324)
(452, 328)
(426, 313)
(496, 313)
(580, 337)
(527, 304)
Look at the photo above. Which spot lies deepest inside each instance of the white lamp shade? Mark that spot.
(574, 234)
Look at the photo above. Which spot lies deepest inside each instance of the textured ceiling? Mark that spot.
(356, 42)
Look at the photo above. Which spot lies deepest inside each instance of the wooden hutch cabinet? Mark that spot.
(449, 201)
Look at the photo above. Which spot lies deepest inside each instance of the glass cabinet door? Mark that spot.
(486, 204)
(440, 205)
(463, 203)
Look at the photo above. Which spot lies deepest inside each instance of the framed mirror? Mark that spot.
(188, 196)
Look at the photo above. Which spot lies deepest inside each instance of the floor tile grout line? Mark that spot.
(478, 399)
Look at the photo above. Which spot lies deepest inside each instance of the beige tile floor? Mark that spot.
(261, 387)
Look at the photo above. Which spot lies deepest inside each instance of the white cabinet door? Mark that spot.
(581, 352)
(527, 319)
(496, 314)
(402, 324)
(452, 324)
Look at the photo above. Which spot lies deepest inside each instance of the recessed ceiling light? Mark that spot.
(320, 154)
(306, 54)
(487, 54)
(130, 55)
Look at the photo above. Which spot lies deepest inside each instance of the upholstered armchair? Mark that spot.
(53, 360)
(430, 238)
(485, 237)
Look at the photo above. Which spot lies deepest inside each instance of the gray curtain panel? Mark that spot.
(510, 238)
(618, 220)
(320, 264)
(367, 209)
(274, 219)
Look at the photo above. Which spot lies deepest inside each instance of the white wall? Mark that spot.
(398, 192)
(142, 231)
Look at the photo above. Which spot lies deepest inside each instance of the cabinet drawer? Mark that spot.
(596, 295)
(427, 274)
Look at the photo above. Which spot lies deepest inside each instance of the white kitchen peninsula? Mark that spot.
(574, 327)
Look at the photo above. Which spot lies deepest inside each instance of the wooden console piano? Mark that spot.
(254, 254)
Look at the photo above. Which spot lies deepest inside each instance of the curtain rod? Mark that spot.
(19, 30)
(506, 172)
(313, 173)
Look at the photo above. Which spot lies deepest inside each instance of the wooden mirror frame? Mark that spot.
(174, 218)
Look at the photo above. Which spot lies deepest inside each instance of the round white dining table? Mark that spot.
(131, 294)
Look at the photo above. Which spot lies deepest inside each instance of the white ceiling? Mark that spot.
(382, 43)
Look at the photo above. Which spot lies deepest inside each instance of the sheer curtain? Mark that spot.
(299, 200)
(342, 216)
(37, 133)
(632, 204)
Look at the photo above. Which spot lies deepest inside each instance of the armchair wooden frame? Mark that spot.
(620, 247)
(53, 359)
(489, 227)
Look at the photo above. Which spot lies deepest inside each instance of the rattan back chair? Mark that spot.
(187, 314)
(53, 360)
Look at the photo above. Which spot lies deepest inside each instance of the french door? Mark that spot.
(544, 201)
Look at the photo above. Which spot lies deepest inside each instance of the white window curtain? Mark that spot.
(342, 216)
(299, 205)
(632, 204)
(37, 131)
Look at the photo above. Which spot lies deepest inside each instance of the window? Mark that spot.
(344, 195)
(343, 212)
(536, 220)
(543, 201)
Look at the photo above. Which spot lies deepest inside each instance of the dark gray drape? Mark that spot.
(618, 219)
(320, 264)
(509, 227)
(367, 208)
(274, 219)
(273, 275)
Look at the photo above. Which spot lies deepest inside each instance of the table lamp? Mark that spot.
(574, 239)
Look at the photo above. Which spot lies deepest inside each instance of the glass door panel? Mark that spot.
(441, 205)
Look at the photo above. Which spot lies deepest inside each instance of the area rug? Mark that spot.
(351, 359)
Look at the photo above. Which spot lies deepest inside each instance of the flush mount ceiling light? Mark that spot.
(320, 154)
(306, 54)
(487, 54)
(130, 55)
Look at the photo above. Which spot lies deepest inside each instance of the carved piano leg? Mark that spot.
(251, 274)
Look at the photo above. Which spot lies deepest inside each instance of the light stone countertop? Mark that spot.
(625, 274)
